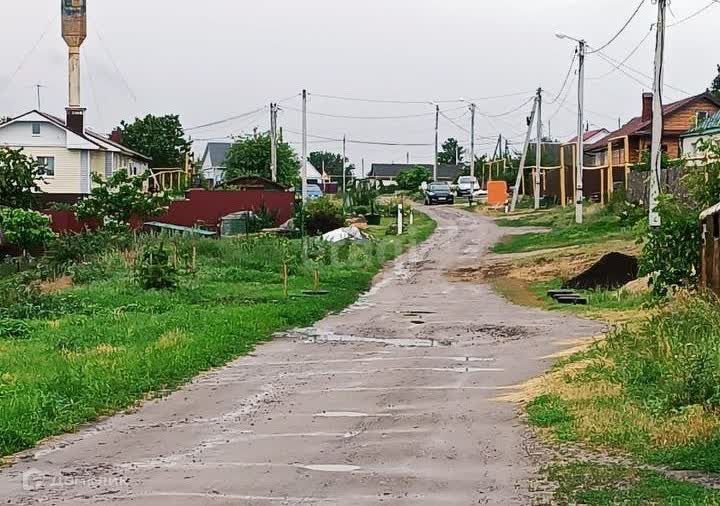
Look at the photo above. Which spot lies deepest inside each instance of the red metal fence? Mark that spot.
(199, 208)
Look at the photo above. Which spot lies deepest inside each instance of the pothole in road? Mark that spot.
(312, 336)
(345, 414)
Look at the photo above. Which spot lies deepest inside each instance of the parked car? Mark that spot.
(314, 191)
(468, 185)
(439, 193)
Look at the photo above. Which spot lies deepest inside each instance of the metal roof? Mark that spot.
(708, 126)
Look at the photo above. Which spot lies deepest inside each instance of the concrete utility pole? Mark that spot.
(437, 128)
(39, 102)
(273, 142)
(538, 149)
(407, 157)
(657, 120)
(526, 145)
(580, 127)
(344, 169)
(362, 168)
(304, 148)
(472, 142)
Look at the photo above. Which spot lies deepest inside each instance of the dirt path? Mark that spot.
(390, 401)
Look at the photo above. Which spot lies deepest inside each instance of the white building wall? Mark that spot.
(19, 134)
(67, 169)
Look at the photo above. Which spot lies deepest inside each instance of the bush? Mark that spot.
(412, 179)
(66, 250)
(323, 215)
(13, 329)
(153, 269)
(24, 229)
(629, 213)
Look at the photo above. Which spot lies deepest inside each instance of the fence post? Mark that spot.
(400, 219)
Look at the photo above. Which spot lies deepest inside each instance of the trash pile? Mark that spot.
(351, 233)
(611, 272)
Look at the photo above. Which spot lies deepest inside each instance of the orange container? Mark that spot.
(497, 193)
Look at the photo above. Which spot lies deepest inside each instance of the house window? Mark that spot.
(48, 165)
(700, 117)
(36, 129)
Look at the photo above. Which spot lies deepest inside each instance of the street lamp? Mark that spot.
(580, 133)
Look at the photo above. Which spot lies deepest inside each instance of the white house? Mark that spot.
(70, 155)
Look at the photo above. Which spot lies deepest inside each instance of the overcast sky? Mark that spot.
(212, 59)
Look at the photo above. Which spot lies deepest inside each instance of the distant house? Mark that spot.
(386, 173)
(626, 145)
(591, 136)
(245, 183)
(706, 130)
(213, 161)
(70, 154)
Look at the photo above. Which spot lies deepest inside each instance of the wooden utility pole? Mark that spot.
(657, 120)
(563, 190)
(580, 154)
(526, 145)
(538, 148)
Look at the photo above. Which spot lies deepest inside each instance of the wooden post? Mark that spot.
(285, 278)
(627, 163)
(574, 167)
(610, 187)
(316, 280)
(601, 170)
(194, 258)
(562, 177)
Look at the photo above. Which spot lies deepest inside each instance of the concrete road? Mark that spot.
(389, 402)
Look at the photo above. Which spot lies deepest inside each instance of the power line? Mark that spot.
(628, 67)
(116, 67)
(343, 116)
(226, 120)
(32, 50)
(627, 23)
(562, 103)
(627, 58)
(372, 143)
(417, 102)
(565, 81)
(507, 113)
(694, 15)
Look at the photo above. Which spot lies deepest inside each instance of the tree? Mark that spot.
(119, 198)
(162, 138)
(450, 151)
(20, 178)
(250, 156)
(333, 163)
(716, 84)
(412, 179)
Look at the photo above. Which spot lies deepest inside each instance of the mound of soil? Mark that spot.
(610, 272)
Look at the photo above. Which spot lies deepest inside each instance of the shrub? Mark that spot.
(153, 269)
(412, 179)
(24, 229)
(323, 215)
(13, 329)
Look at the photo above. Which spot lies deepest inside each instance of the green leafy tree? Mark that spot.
(162, 138)
(24, 228)
(20, 178)
(333, 163)
(450, 151)
(716, 83)
(119, 198)
(412, 179)
(250, 156)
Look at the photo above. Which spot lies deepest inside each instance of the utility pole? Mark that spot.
(39, 104)
(526, 145)
(657, 120)
(472, 143)
(273, 142)
(538, 149)
(362, 168)
(407, 157)
(344, 169)
(581, 135)
(437, 128)
(304, 148)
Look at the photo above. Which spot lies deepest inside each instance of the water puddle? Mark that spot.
(316, 337)
(329, 468)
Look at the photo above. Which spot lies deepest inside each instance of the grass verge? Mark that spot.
(72, 356)
(605, 485)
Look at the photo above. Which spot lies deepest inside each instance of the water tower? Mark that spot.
(74, 32)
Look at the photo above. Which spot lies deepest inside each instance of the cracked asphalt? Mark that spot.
(390, 402)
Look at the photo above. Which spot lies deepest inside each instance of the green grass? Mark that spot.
(605, 485)
(599, 226)
(550, 411)
(99, 348)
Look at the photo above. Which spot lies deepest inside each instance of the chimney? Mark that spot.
(116, 136)
(647, 106)
(74, 32)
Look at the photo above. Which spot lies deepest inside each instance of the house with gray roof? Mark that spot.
(388, 172)
(213, 161)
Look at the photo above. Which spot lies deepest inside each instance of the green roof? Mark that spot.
(711, 124)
